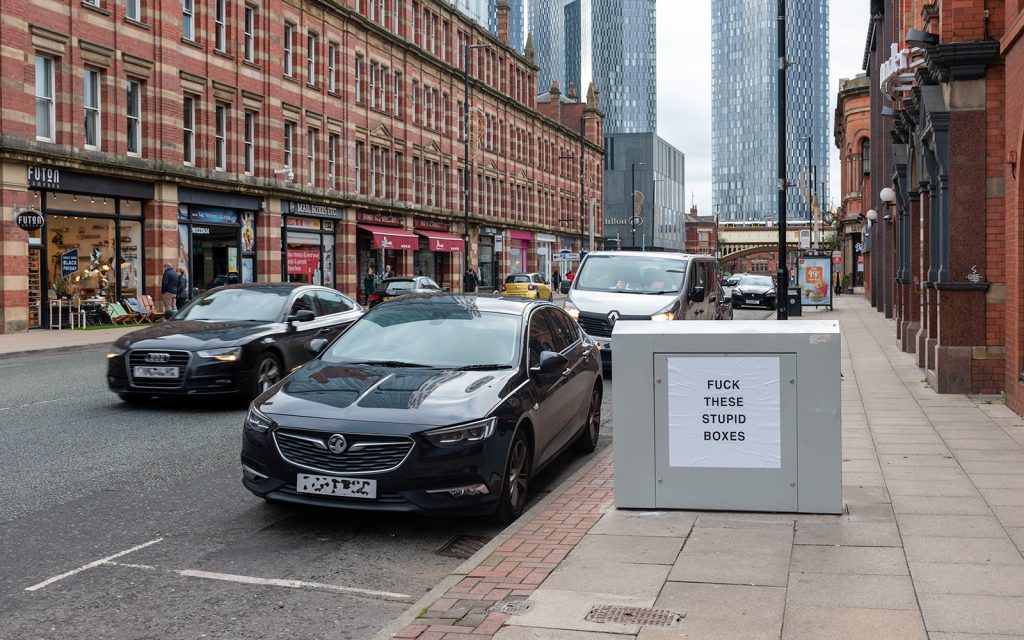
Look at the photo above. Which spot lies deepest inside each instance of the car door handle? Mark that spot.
(567, 373)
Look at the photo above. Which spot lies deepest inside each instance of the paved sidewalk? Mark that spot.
(931, 545)
(42, 340)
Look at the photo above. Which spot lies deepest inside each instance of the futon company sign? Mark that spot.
(724, 412)
(28, 219)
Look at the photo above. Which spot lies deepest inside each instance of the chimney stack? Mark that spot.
(503, 11)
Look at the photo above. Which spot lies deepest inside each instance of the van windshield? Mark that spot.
(631, 274)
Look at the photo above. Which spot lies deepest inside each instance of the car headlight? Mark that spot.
(572, 310)
(769, 294)
(667, 314)
(230, 354)
(115, 351)
(258, 421)
(461, 434)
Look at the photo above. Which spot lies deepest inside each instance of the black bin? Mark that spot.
(793, 306)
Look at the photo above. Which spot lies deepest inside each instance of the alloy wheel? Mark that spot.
(268, 374)
(595, 416)
(517, 474)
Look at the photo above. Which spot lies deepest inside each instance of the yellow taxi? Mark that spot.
(527, 285)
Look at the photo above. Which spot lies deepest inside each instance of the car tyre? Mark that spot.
(267, 373)
(515, 484)
(587, 440)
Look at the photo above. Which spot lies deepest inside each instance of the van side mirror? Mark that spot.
(697, 295)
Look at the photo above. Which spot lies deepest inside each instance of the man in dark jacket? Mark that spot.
(470, 281)
(169, 289)
(556, 281)
(183, 291)
(369, 285)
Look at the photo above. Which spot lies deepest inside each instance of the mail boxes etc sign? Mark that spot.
(724, 412)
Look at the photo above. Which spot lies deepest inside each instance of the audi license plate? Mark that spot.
(156, 372)
(341, 487)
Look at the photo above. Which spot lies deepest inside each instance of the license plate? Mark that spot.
(156, 372)
(331, 486)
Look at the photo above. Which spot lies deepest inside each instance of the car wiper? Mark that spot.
(483, 367)
(390, 363)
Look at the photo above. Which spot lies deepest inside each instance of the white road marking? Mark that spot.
(292, 584)
(147, 567)
(91, 565)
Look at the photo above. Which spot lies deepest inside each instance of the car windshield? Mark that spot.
(756, 281)
(631, 274)
(399, 285)
(519, 277)
(431, 334)
(227, 305)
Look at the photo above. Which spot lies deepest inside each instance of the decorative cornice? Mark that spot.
(960, 60)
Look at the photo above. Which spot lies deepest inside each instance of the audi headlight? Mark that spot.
(667, 314)
(115, 351)
(231, 354)
(572, 310)
(461, 434)
(258, 421)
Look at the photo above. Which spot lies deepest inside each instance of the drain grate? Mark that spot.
(462, 546)
(605, 613)
(510, 607)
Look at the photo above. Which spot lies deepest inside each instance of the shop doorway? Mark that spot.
(35, 287)
(214, 257)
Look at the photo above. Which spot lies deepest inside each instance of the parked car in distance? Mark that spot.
(527, 285)
(239, 339)
(754, 291)
(635, 285)
(393, 287)
(732, 280)
(441, 403)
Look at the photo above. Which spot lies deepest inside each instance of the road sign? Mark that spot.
(568, 256)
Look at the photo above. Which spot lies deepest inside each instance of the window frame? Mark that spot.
(332, 160)
(288, 41)
(358, 165)
(358, 90)
(220, 27)
(311, 135)
(249, 31)
(249, 144)
(188, 20)
(129, 5)
(188, 128)
(332, 67)
(311, 47)
(134, 122)
(49, 68)
(97, 81)
(289, 144)
(220, 136)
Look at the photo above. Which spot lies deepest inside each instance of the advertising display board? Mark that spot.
(815, 281)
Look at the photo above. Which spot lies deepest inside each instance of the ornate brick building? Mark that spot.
(274, 139)
(853, 138)
(1008, 167)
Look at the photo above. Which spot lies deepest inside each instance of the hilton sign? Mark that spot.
(896, 74)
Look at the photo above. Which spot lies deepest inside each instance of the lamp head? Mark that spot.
(887, 195)
(872, 215)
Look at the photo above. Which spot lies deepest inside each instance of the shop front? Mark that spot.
(89, 249)
(216, 238)
(490, 249)
(433, 258)
(519, 251)
(382, 241)
(308, 236)
(547, 245)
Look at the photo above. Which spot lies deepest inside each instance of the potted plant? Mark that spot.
(846, 283)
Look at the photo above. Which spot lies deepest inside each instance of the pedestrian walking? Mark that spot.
(470, 281)
(388, 273)
(556, 280)
(169, 289)
(369, 285)
(183, 291)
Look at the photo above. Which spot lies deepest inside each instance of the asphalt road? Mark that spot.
(84, 477)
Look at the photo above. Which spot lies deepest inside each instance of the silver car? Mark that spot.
(632, 285)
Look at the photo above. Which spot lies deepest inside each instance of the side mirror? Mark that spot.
(697, 295)
(316, 347)
(551, 364)
(302, 316)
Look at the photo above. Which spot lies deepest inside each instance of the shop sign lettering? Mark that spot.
(29, 219)
(43, 177)
(68, 263)
(316, 210)
(200, 231)
(379, 218)
(433, 225)
(725, 412)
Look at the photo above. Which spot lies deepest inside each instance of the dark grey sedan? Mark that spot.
(754, 291)
(393, 287)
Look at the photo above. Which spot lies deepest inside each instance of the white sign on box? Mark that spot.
(724, 412)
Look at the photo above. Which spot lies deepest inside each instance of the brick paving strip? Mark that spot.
(514, 564)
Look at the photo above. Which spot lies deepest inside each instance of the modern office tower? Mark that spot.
(624, 59)
(547, 26)
(745, 114)
(478, 10)
(577, 16)
(516, 21)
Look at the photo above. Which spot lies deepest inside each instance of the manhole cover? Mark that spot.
(602, 613)
(510, 607)
(462, 546)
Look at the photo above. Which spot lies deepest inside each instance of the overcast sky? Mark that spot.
(684, 80)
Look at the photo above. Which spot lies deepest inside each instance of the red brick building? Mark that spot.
(1007, 166)
(273, 139)
(701, 233)
(852, 136)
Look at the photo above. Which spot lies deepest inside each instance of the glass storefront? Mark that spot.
(309, 250)
(216, 246)
(488, 266)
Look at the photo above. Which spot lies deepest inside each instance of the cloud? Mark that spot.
(684, 80)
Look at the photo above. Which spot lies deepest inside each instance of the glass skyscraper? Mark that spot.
(744, 113)
(475, 9)
(516, 22)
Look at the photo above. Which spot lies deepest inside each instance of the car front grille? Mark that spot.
(595, 325)
(178, 359)
(364, 453)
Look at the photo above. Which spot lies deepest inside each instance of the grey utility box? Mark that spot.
(741, 415)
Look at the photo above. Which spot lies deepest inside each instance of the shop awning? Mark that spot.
(441, 241)
(392, 238)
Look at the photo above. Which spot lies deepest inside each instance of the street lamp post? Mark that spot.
(632, 204)
(782, 286)
(469, 161)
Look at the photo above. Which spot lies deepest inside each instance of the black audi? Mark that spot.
(239, 339)
(439, 403)
(754, 291)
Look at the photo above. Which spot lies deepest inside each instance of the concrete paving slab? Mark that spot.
(988, 467)
(645, 523)
(777, 523)
(870, 512)
(888, 561)
(912, 449)
(1004, 497)
(838, 623)
(527, 633)
(867, 464)
(968, 579)
(961, 550)
(555, 609)
(970, 636)
(940, 506)
(950, 526)
(973, 614)
(851, 453)
(863, 479)
(854, 494)
(851, 591)
(1017, 535)
(894, 473)
(997, 481)
(721, 612)
(906, 438)
(621, 578)
(630, 549)
(906, 460)
(970, 444)
(1009, 516)
(931, 487)
(752, 556)
(859, 534)
(988, 455)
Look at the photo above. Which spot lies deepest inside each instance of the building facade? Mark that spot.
(1012, 48)
(752, 247)
(744, 69)
(268, 141)
(852, 135)
(517, 21)
(647, 164)
(701, 233)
